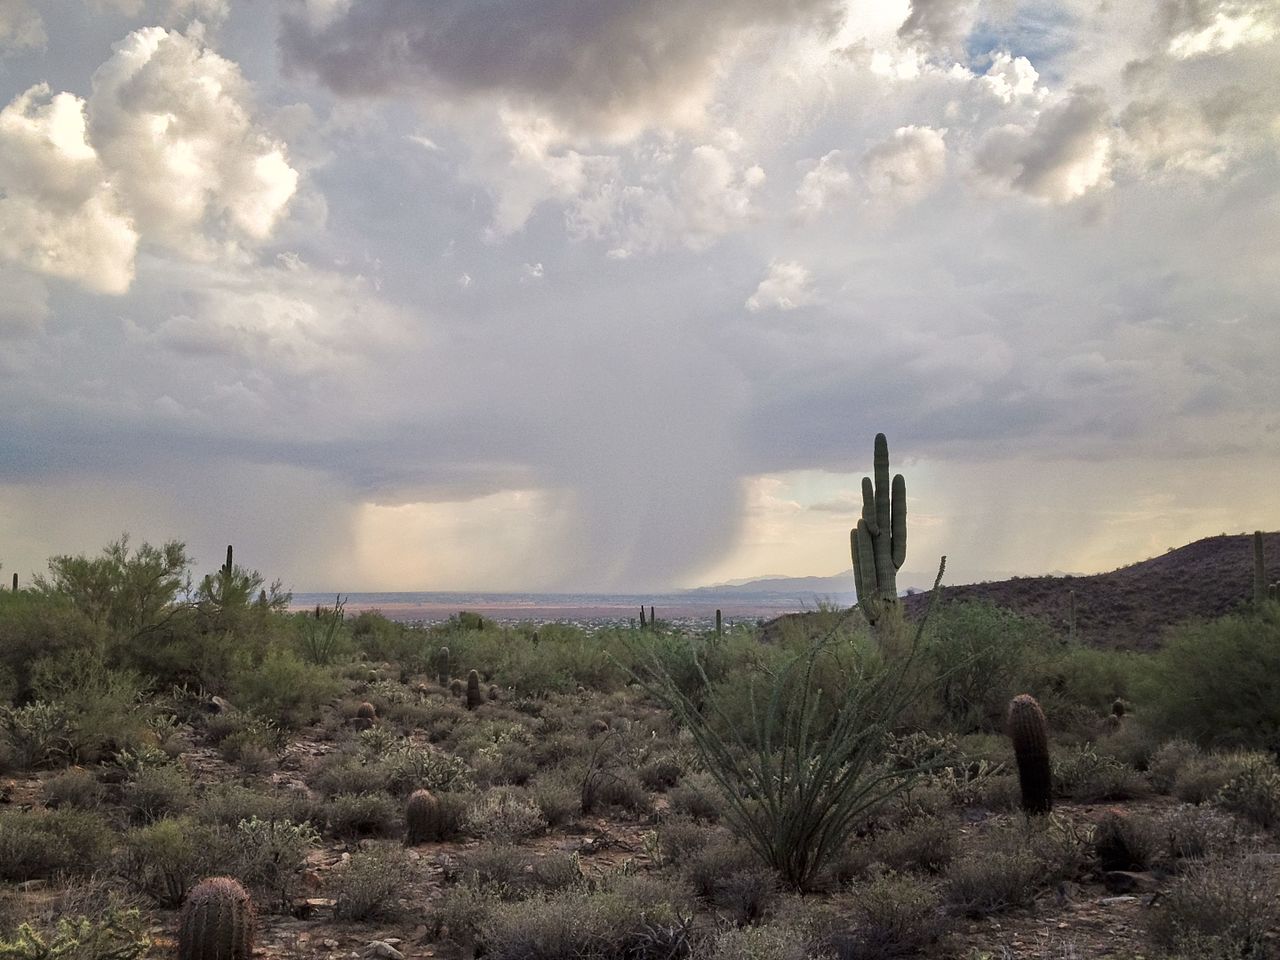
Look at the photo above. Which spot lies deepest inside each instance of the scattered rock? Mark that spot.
(380, 948)
(1124, 881)
(218, 705)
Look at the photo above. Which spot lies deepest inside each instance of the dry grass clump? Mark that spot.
(370, 884)
(1220, 909)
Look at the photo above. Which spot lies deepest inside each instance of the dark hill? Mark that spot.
(1132, 606)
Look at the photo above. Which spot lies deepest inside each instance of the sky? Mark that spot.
(614, 295)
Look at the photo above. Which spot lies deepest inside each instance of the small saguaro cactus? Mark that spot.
(719, 624)
(653, 618)
(15, 581)
(643, 621)
(423, 818)
(1030, 735)
(474, 698)
(442, 667)
(366, 711)
(216, 922)
(228, 566)
(1117, 707)
(879, 541)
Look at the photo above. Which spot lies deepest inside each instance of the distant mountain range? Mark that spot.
(838, 586)
(1133, 606)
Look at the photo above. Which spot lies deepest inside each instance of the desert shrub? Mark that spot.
(1125, 841)
(1086, 677)
(157, 792)
(557, 871)
(1194, 833)
(497, 865)
(558, 799)
(999, 793)
(660, 773)
(1011, 865)
(505, 764)
(243, 734)
(44, 845)
(1254, 792)
(706, 869)
(166, 858)
(504, 815)
(1214, 682)
(1218, 911)
(362, 814)
(1202, 777)
(226, 804)
(75, 787)
(630, 917)
(351, 773)
(35, 625)
(897, 916)
(697, 797)
(927, 845)
(1132, 744)
(115, 934)
(101, 705)
(762, 942)
(269, 855)
(680, 839)
(459, 912)
(369, 885)
(1167, 762)
(284, 689)
(1085, 775)
(604, 788)
(983, 655)
(747, 894)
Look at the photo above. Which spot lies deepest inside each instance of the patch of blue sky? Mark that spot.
(1041, 32)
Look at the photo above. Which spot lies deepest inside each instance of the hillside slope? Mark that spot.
(1131, 607)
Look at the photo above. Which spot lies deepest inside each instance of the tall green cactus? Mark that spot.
(1029, 732)
(474, 698)
(423, 819)
(216, 922)
(879, 541)
(442, 667)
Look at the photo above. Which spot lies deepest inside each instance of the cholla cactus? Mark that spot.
(474, 697)
(216, 922)
(1030, 735)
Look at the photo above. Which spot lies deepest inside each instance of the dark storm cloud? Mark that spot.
(596, 63)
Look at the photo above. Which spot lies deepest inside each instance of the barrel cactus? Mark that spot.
(1030, 735)
(455, 687)
(366, 711)
(474, 697)
(423, 818)
(216, 922)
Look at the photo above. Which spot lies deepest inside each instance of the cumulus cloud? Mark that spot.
(59, 215)
(1009, 77)
(786, 286)
(610, 65)
(1196, 28)
(908, 165)
(21, 26)
(1063, 156)
(942, 24)
(172, 120)
(828, 182)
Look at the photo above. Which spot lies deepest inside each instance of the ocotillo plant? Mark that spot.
(1030, 735)
(442, 667)
(474, 698)
(1259, 570)
(879, 547)
(216, 922)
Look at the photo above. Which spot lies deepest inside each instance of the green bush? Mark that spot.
(504, 815)
(166, 858)
(34, 626)
(158, 792)
(362, 814)
(370, 884)
(284, 689)
(270, 854)
(76, 787)
(1220, 909)
(1253, 794)
(37, 735)
(897, 917)
(44, 845)
(1214, 682)
(103, 707)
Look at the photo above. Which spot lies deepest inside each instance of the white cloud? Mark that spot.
(1010, 77)
(58, 213)
(908, 165)
(829, 181)
(1065, 155)
(939, 23)
(786, 286)
(1229, 25)
(172, 120)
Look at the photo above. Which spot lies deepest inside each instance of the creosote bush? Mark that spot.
(1220, 909)
(369, 885)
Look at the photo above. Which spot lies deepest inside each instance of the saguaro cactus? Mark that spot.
(719, 625)
(474, 698)
(216, 922)
(228, 567)
(442, 667)
(879, 541)
(643, 620)
(1030, 735)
